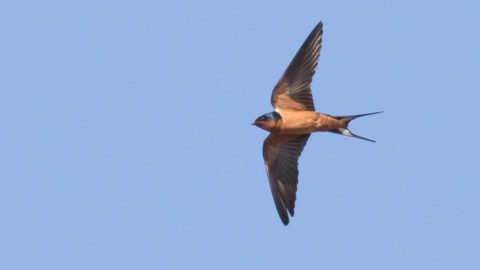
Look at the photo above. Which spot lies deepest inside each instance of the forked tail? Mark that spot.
(347, 119)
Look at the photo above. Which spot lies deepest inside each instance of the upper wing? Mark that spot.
(281, 154)
(293, 89)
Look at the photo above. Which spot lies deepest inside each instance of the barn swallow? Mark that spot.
(292, 121)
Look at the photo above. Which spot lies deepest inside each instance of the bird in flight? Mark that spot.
(292, 121)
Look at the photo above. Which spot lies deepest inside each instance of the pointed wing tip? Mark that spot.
(283, 214)
(285, 220)
(319, 27)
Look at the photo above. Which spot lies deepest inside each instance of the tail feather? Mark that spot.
(348, 133)
(346, 119)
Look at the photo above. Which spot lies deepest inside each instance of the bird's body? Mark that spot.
(303, 122)
(292, 122)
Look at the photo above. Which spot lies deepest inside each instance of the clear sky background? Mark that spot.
(125, 139)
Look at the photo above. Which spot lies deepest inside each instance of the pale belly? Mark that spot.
(295, 122)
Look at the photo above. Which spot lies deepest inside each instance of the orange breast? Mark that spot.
(303, 122)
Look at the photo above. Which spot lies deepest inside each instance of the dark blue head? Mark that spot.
(267, 121)
(272, 116)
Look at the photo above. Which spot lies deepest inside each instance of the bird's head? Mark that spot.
(267, 121)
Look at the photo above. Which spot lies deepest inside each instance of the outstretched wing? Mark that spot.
(293, 89)
(281, 154)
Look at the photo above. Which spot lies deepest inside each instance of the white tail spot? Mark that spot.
(345, 132)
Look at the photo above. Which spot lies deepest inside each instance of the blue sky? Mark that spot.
(126, 142)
